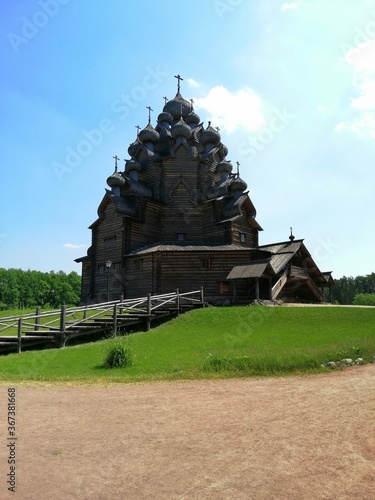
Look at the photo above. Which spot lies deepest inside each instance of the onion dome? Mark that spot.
(181, 129)
(210, 136)
(115, 179)
(132, 149)
(148, 134)
(238, 185)
(224, 150)
(192, 118)
(177, 106)
(132, 166)
(165, 117)
(224, 166)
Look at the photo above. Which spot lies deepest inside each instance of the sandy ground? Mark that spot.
(289, 438)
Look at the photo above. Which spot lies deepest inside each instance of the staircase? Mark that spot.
(56, 328)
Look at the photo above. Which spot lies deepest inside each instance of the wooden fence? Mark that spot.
(57, 327)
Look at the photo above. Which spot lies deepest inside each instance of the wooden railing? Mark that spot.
(58, 326)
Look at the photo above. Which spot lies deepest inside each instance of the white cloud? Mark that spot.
(362, 56)
(362, 61)
(289, 6)
(367, 100)
(231, 111)
(73, 245)
(192, 83)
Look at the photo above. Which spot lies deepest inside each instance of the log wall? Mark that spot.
(186, 270)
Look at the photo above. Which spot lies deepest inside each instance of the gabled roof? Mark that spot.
(232, 210)
(123, 205)
(328, 277)
(283, 246)
(283, 252)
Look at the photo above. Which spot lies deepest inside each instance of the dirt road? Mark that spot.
(289, 438)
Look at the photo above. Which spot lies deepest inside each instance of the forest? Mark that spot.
(358, 291)
(25, 289)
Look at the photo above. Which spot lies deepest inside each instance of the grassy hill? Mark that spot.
(213, 342)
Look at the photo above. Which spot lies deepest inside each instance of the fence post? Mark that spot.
(202, 295)
(19, 335)
(148, 319)
(85, 312)
(115, 320)
(62, 324)
(178, 301)
(37, 318)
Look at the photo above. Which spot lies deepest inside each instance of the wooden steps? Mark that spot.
(115, 316)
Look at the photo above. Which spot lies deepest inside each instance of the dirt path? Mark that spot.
(288, 438)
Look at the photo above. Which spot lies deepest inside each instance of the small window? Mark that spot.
(181, 236)
(242, 237)
(138, 264)
(116, 267)
(101, 269)
(223, 287)
(206, 263)
(110, 242)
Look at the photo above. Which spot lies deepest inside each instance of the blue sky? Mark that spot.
(290, 84)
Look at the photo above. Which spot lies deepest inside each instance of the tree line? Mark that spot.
(24, 289)
(359, 290)
(20, 289)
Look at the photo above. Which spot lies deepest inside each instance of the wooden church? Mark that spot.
(180, 216)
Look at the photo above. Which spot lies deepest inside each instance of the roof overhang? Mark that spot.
(254, 269)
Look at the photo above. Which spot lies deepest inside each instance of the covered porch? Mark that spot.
(252, 281)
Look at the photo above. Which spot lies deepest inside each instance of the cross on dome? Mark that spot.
(178, 84)
(115, 158)
(149, 113)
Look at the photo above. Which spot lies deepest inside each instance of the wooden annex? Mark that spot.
(180, 217)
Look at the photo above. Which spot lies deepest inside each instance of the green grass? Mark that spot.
(16, 312)
(211, 343)
(52, 320)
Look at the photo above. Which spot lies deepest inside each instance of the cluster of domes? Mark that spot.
(178, 121)
(179, 124)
